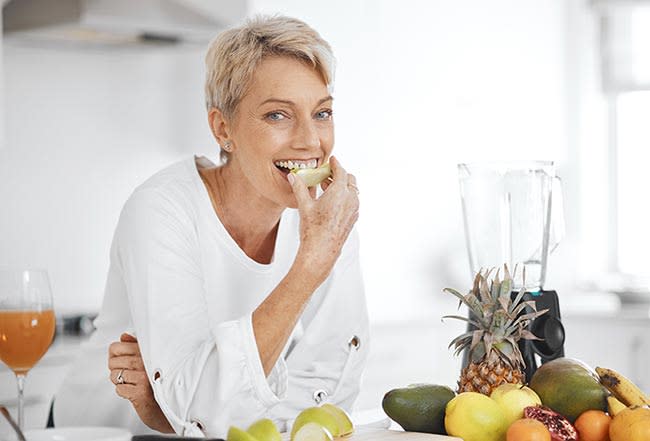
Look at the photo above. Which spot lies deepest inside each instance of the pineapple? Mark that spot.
(494, 355)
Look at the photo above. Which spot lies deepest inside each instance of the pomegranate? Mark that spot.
(560, 428)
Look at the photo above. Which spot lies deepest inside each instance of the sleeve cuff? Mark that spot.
(269, 390)
(239, 338)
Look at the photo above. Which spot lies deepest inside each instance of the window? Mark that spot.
(625, 74)
(633, 152)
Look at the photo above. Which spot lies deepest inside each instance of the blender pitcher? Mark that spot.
(513, 214)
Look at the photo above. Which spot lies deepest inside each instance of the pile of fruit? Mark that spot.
(322, 423)
(565, 401)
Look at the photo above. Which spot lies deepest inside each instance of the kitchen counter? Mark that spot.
(600, 330)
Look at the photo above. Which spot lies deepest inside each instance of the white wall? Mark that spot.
(420, 86)
(84, 127)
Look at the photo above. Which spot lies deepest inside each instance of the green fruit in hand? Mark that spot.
(419, 407)
(235, 434)
(312, 432)
(475, 417)
(513, 399)
(569, 387)
(344, 422)
(319, 416)
(265, 430)
(313, 176)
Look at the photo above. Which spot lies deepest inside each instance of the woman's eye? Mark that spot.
(275, 116)
(324, 114)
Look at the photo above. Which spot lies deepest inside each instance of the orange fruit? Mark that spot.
(528, 429)
(593, 425)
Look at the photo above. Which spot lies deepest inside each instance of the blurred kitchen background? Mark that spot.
(99, 94)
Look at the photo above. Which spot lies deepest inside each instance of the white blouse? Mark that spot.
(180, 283)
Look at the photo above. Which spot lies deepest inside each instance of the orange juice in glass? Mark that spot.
(26, 323)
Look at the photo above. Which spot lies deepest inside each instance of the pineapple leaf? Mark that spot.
(478, 352)
(460, 340)
(504, 301)
(528, 303)
(499, 320)
(477, 336)
(506, 287)
(527, 335)
(484, 292)
(506, 273)
(531, 315)
(517, 299)
(470, 301)
(465, 319)
(488, 340)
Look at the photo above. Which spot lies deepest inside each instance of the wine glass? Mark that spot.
(26, 323)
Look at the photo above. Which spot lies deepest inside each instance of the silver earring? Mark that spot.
(226, 146)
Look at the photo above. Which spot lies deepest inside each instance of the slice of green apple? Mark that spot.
(344, 422)
(313, 176)
(235, 434)
(312, 432)
(265, 430)
(316, 415)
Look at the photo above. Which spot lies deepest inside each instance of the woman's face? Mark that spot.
(285, 119)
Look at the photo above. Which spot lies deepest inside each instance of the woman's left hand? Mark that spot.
(131, 382)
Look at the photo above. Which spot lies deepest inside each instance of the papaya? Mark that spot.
(419, 407)
(569, 387)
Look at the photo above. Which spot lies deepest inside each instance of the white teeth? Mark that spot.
(291, 164)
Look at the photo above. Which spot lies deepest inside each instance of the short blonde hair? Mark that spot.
(235, 53)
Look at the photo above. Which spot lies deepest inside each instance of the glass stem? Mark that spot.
(20, 381)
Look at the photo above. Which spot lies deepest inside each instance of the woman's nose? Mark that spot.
(307, 136)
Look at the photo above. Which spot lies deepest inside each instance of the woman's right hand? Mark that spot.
(326, 222)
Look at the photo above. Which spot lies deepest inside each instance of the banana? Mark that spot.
(614, 406)
(622, 388)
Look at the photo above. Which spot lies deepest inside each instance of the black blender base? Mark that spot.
(547, 327)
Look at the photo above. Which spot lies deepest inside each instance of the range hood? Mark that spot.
(120, 21)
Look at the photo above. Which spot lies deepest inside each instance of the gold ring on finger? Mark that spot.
(120, 378)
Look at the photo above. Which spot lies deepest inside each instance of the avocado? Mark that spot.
(419, 407)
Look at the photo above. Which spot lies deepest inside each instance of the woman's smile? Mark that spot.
(285, 166)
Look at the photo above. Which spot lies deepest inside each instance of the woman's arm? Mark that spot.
(325, 224)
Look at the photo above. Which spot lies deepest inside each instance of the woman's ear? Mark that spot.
(219, 126)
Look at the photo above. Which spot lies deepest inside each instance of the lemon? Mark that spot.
(475, 417)
(513, 399)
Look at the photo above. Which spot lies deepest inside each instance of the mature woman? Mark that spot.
(242, 286)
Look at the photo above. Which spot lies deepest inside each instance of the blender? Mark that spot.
(513, 214)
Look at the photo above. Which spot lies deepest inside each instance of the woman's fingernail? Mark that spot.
(291, 178)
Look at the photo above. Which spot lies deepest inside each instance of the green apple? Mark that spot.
(319, 416)
(313, 176)
(312, 432)
(513, 399)
(235, 434)
(344, 422)
(265, 430)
